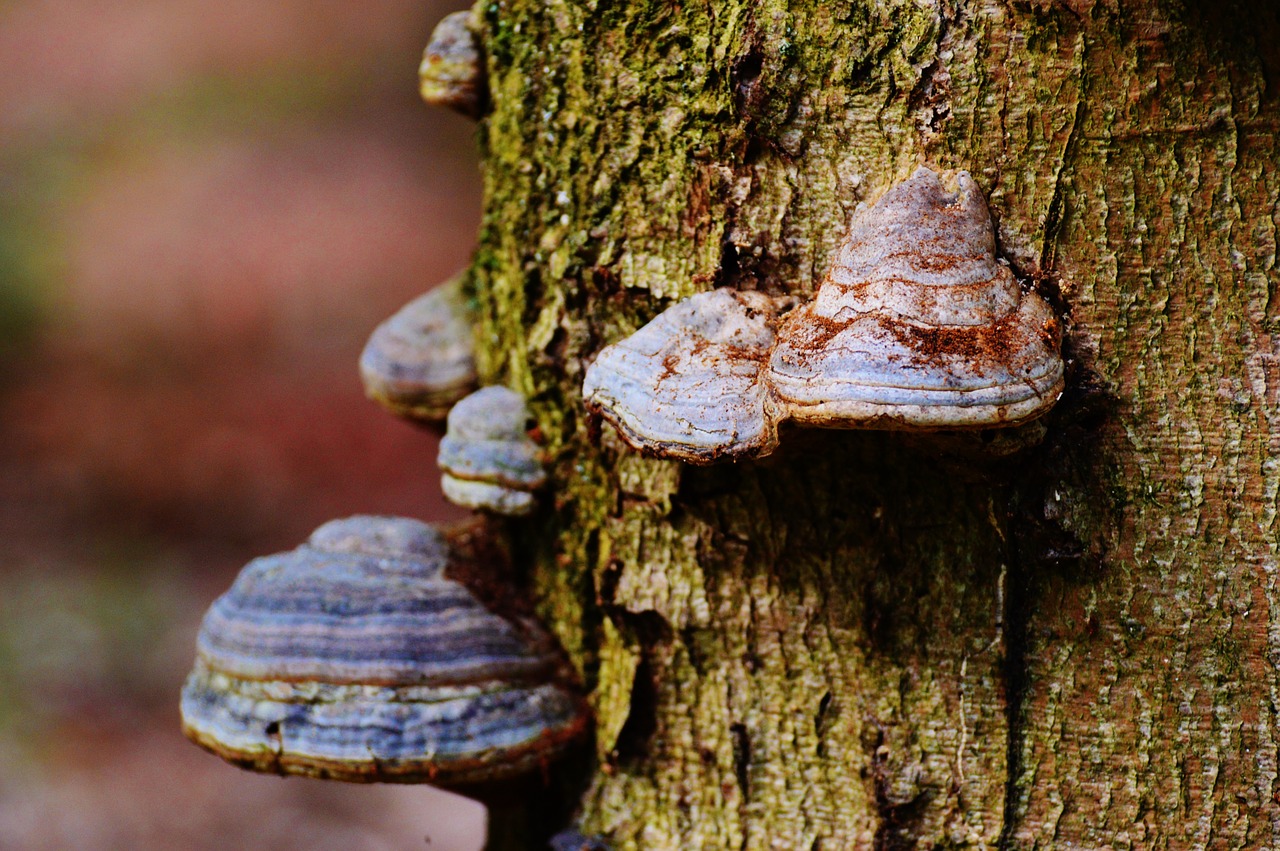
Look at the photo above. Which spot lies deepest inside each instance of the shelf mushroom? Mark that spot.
(689, 385)
(488, 460)
(421, 361)
(354, 658)
(452, 70)
(917, 326)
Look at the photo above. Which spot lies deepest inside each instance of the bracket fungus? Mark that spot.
(421, 361)
(917, 326)
(452, 70)
(354, 658)
(488, 460)
(689, 384)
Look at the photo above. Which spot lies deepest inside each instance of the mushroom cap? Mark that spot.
(452, 70)
(490, 413)
(487, 457)
(512, 463)
(918, 326)
(688, 384)
(417, 546)
(421, 361)
(923, 252)
(353, 657)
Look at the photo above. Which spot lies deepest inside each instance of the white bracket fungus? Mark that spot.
(452, 70)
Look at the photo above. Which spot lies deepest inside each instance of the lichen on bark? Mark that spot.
(870, 640)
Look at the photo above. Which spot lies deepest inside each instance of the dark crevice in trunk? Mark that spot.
(1017, 617)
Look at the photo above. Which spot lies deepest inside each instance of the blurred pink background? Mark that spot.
(205, 207)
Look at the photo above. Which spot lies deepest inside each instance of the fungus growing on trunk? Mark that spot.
(354, 658)
(487, 457)
(421, 361)
(452, 70)
(689, 384)
(917, 326)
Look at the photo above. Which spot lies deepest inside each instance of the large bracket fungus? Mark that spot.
(421, 361)
(917, 326)
(354, 658)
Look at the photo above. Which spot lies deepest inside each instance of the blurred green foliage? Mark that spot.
(23, 289)
(94, 645)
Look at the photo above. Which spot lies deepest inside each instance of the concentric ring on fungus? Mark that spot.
(354, 658)
(420, 362)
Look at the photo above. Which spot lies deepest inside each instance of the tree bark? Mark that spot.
(869, 639)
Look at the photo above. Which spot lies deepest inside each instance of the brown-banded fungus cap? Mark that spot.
(487, 457)
(452, 70)
(419, 362)
(917, 325)
(354, 658)
(688, 385)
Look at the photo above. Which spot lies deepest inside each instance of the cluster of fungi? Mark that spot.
(917, 326)
(363, 655)
(360, 656)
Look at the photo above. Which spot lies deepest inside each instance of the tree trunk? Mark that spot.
(869, 639)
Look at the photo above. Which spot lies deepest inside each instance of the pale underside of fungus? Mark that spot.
(917, 326)
(354, 658)
(421, 361)
(487, 458)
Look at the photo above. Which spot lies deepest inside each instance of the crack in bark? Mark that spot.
(1054, 213)
(1016, 620)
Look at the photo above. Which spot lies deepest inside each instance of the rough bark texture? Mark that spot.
(868, 639)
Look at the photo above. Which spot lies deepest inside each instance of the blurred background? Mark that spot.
(205, 208)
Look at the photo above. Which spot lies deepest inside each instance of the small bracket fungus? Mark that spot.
(452, 70)
(688, 385)
(487, 457)
(917, 326)
(421, 361)
(353, 658)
